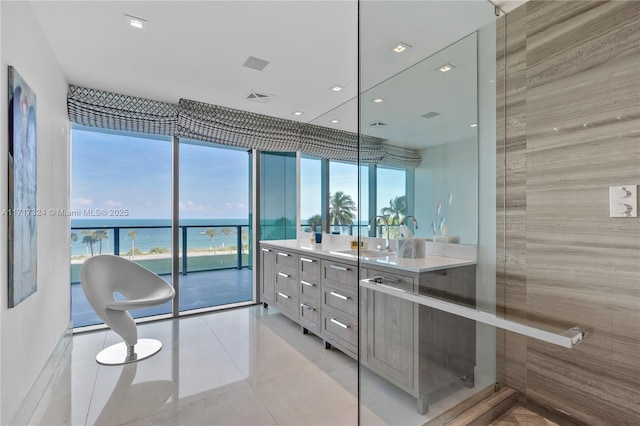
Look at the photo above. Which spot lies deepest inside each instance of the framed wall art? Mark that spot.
(22, 210)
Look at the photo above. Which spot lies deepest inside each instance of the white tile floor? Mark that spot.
(247, 366)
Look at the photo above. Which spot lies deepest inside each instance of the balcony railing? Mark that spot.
(226, 248)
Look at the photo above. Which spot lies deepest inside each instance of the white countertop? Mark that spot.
(342, 252)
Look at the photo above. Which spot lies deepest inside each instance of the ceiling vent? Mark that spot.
(255, 63)
(430, 114)
(262, 98)
(377, 123)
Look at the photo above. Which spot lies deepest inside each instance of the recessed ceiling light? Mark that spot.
(377, 100)
(297, 113)
(135, 23)
(446, 67)
(400, 47)
(334, 121)
(473, 125)
(336, 88)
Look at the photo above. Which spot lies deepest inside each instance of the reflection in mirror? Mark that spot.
(434, 113)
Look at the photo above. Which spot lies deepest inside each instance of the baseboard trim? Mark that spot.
(33, 396)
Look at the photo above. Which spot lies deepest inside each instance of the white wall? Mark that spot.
(30, 331)
(448, 168)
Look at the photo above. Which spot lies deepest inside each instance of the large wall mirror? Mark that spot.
(430, 107)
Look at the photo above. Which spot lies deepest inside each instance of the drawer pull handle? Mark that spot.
(339, 296)
(284, 295)
(338, 323)
(307, 307)
(339, 268)
(380, 278)
(267, 250)
(283, 254)
(304, 259)
(283, 275)
(307, 284)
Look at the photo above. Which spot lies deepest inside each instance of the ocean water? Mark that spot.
(149, 237)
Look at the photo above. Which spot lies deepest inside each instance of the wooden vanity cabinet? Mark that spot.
(286, 283)
(389, 340)
(309, 291)
(418, 349)
(267, 275)
(340, 306)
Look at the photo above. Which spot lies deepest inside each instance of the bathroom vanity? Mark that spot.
(416, 348)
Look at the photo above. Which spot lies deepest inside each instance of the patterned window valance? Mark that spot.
(228, 126)
(335, 144)
(400, 157)
(97, 108)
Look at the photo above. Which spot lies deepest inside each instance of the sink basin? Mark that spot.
(364, 253)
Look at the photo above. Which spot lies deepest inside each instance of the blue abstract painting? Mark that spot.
(22, 210)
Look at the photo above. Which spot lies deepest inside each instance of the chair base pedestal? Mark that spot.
(118, 354)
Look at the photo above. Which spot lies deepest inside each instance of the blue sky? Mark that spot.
(124, 172)
(113, 171)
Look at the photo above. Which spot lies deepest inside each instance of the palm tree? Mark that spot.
(132, 234)
(341, 208)
(89, 239)
(212, 233)
(227, 231)
(396, 210)
(99, 236)
(245, 241)
(74, 237)
(316, 219)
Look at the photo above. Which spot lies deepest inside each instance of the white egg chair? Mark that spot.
(105, 275)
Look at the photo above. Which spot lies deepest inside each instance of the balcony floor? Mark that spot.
(197, 290)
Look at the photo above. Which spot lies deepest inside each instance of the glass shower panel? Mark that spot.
(437, 102)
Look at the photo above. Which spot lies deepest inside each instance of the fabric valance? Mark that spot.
(228, 126)
(335, 144)
(400, 157)
(97, 108)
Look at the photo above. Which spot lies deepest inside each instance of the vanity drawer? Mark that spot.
(286, 280)
(310, 317)
(309, 268)
(310, 291)
(286, 302)
(340, 330)
(390, 280)
(340, 298)
(341, 273)
(286, 261)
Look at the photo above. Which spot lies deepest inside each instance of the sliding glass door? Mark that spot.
(120, 205)
(214, 228)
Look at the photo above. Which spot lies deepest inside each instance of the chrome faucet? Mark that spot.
(375, 233)
(413, 219)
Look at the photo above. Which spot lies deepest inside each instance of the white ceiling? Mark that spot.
(195, 49)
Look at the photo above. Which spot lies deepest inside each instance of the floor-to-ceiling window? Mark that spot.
(391, 197)
(311, 193)
(120, 205)
(214, 231)
(344, 208)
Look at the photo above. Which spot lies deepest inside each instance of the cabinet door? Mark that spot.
(390, 339)
(267, 274)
